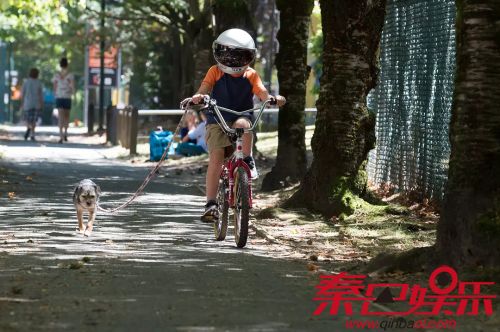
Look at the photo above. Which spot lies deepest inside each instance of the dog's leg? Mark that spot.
(79, 214)
(90, 224)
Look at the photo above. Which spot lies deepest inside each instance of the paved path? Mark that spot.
(153, 267)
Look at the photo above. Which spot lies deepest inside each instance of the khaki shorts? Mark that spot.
(216, 138)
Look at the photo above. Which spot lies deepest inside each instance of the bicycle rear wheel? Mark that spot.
(241, 207)
(220, 225)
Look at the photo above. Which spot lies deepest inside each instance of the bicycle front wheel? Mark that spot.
(241, 207)
(220, 224)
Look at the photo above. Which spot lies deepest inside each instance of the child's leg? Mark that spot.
(247, 146)
(216, 159)
(247, 137)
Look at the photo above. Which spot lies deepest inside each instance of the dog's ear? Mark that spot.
(97, 189)
(77, 192)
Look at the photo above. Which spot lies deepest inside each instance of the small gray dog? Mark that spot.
(85, 198)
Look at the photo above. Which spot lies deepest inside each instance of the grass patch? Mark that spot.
(387, 228)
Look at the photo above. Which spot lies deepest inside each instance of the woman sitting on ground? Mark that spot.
(190, 123)
(187, 148)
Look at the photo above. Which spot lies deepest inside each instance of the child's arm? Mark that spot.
(206, 85)
(264, 95)
(260, 90)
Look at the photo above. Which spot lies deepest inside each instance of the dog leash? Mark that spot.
(153, 172)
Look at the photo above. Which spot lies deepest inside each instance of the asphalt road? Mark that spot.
(152, 267)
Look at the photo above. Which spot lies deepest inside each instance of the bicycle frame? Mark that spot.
(236, 160)
(232, 164)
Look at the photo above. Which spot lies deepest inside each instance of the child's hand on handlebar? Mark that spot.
(278, 100)
(197, 98)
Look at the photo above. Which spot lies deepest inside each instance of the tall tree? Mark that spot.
(469, 229)
(291, 63)
(184, 46)
(176, 42)
(344, 128)
(233, 14)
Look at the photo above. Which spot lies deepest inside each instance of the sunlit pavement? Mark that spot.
(153, 266)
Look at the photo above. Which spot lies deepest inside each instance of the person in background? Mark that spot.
(31, 102)
(197, 134)
(190, 122)
(64, 87)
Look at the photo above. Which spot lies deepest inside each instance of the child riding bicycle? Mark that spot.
(232, 83)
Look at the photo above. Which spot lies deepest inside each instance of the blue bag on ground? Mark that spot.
(158, 141)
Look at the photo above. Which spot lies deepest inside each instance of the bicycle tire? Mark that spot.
(241, 207)
(220, 225)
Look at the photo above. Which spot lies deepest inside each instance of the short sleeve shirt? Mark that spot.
(32, 94)
(64, 88)
(233, 92)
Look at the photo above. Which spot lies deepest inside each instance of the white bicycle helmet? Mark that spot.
(234, 50)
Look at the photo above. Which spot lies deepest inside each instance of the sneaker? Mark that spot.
(27, 134)
(211, 213)
(254, 174)
(66, 138)
(33, 138)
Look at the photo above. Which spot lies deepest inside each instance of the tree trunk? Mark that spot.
(199, 37)
(344, 129)
(291, 62)
(469, 229)
(233, 14)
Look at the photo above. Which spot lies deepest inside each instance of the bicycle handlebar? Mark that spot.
(212, 104)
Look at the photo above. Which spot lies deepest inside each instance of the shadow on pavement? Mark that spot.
(153, 266)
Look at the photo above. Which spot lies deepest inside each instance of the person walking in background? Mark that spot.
(64, 87)
(31, 102)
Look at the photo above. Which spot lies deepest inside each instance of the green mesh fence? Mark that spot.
(413, 96)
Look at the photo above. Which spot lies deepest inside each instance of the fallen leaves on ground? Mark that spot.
(11, 195)
(312, 267)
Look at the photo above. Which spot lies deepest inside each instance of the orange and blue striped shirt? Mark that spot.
(233, 92)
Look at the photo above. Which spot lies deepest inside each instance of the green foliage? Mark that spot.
(40, 32)
(21, 18)
(157, 39)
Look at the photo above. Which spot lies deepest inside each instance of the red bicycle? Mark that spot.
(235, 182)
